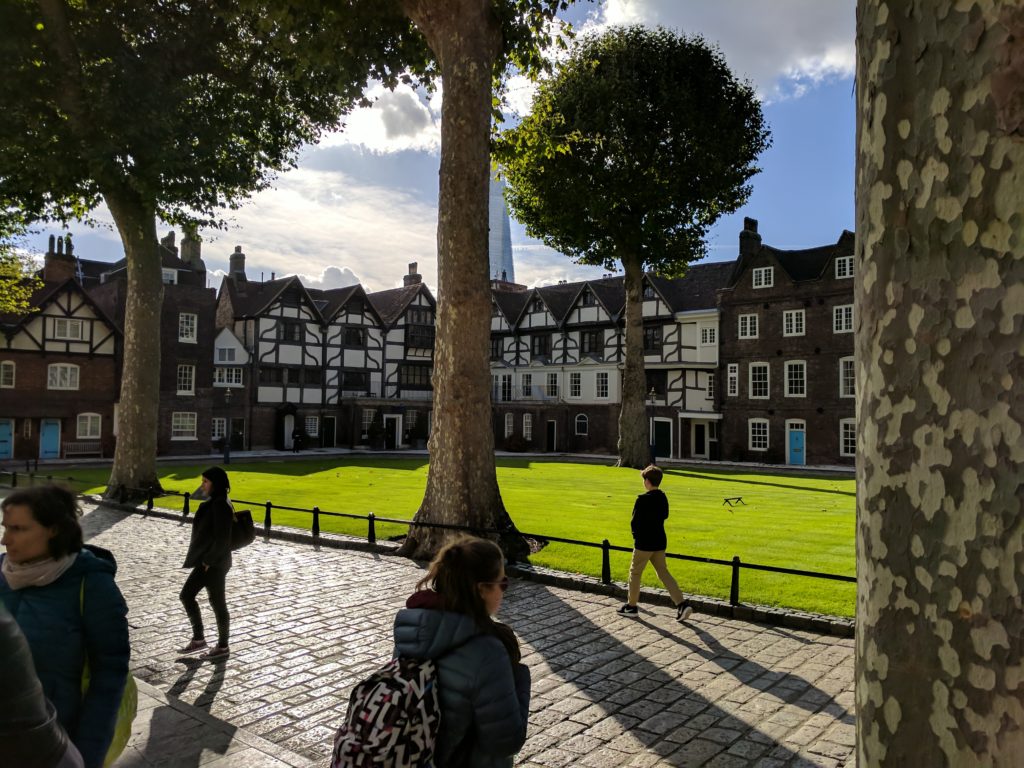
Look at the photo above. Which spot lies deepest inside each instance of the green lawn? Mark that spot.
(787, 520)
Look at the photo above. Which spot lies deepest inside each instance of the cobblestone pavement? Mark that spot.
(607, 690)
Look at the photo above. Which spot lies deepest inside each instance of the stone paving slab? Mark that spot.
(309, 623)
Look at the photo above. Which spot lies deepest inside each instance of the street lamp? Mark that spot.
(652, 397)
(227, 426)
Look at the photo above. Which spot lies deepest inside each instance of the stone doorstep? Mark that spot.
(285, 756)
(836, 626)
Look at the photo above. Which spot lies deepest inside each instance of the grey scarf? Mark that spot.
(37, 574)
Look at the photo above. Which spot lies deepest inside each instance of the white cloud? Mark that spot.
(398, 120)
(317, 218)
(783, 46)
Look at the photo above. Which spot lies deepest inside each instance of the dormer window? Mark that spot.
(537, 305)
(763, 277)
(169, 276)
(844, 267)
(649, 292)
(587, 299)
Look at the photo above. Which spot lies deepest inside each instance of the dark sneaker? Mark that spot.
(216, 653)
(193, 646)
(683, 611)
(629, 610)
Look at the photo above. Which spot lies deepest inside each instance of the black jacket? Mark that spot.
(649, 515)
(211, 535)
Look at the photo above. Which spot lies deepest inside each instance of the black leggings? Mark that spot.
(213, 580)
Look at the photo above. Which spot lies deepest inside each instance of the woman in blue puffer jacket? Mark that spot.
(66, 603)
(484, 690)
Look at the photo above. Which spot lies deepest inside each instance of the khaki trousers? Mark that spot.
(636, 570)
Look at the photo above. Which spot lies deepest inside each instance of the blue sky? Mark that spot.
(363, 203)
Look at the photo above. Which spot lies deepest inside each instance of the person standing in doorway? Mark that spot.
(209, 557)
(649, 544)
(296, 440)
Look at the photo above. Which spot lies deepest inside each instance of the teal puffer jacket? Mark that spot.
(483, 697)
(61, 633)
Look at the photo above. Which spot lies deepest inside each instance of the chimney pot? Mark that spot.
(413, 278)
(750, 241)
(236, 264)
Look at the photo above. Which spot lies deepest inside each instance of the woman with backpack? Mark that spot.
(484, 690)
(209, 557)
(63, 596)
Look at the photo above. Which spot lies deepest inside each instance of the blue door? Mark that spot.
(6, 439)
(796, 445)
(49, 439)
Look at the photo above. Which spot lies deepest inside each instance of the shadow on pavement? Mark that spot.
(645, 690)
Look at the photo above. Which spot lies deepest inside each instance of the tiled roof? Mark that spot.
(391, 304)
(249, 299)
(559, 298)
(9, 322)
(697, 288)
(511, 303)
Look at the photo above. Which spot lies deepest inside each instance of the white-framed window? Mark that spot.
(602, 384)
(527, 385)
(759, 384)
(183, 425)
(188, 324)
(763, 277)
(368, 414)
(410, 419)
(218, 428)
(711, 385)
(7, 368)
(844, 267)
(88, 426)
(847, 378)
(796, 378)
(227, 376)
(552, 388)
(186, 379)
(582, 424)
(505, 393)
(67, 329)
(169, 276)
(793, 322)
(842, 318)
(733, 379)
(313, 426)
(225, 354)
(708, 335)
(510, 424)
(847, 437)
(575, 384)
(528, 427)
(62, 376)
(757, 434)
(748, 326)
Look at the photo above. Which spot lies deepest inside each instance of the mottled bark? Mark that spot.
(634, 430)
(462, 483)
(939, 305)
(135, 454)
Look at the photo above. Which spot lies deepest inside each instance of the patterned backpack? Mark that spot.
(393, 718)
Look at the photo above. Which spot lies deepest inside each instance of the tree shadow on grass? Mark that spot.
(733, 480)
(602, 684)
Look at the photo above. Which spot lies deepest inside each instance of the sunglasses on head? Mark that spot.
(502, 585)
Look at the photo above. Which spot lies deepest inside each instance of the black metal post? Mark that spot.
(734, 589)
(371, 534)
(149, 500)
(316, 522)
(227, 450)
(185, 504)
(266, 519)
(606, 562)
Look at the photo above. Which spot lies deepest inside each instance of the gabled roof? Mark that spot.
(391, 304)
(806, 263)
(511, 303)
(333, 300)
(10, 323)
(697, 288)
(559, 299)
(249, 299)
(611, 292)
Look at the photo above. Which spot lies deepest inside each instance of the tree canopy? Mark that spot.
(637, 144)
(17, 268)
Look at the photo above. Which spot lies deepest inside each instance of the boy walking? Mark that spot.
(650, 543)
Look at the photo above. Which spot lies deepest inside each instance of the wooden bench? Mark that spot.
(83, 448)
(732, 501)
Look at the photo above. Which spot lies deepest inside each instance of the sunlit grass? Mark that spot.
(787, 520)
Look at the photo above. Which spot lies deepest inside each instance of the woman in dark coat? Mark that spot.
(484, 690)
(209, 557)
(63, 596)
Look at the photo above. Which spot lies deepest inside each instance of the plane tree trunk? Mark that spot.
(462, 484)
(940, 378)
(634, 430)
(134, 466)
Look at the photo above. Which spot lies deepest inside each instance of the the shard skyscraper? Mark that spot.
(499, 240)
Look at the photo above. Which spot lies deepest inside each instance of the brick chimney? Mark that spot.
(750, 241)
(59, 265)
(413, 278)
(190, 249)
(236, 265)
(167, 241)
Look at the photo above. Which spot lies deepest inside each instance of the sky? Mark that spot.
(362, 204)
